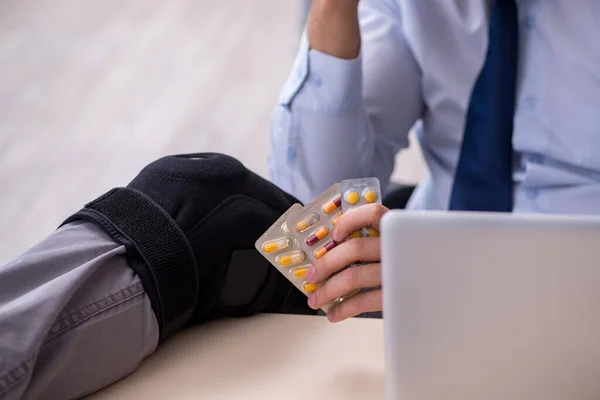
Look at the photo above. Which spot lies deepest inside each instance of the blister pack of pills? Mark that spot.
(313, 229)
(359, 192)
(302, 235)
(279, 246)
(313, 225)
(282, 248)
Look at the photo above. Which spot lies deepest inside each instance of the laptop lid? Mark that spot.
(481, 306)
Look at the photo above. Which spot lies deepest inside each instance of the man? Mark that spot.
(84, 307)
(505, 98)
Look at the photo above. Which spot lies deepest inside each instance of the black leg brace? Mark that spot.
(189, 224)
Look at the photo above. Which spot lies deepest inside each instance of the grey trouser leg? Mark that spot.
(74, 317)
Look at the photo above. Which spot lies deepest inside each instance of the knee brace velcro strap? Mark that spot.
(157, 249)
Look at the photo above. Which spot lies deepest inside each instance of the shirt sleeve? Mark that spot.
(338, 119)
(74, 317)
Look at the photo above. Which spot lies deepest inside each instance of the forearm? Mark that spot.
(339, 118)
(73, 317)
(319, 127)
(333, 28)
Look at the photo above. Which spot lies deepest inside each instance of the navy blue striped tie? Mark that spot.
(483, 179)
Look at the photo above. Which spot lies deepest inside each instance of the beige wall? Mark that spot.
(91, 91)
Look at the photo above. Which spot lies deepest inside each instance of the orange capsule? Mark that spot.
(298, 273)
(321, 251)
(307, 222)
(276, 245)
(356, 235)
(335, 219)
(319, 234)
(372, 232)
(292, 258)
(310, 287)
(332, 205)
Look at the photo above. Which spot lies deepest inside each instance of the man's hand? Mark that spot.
(357, 277)
(333, 28)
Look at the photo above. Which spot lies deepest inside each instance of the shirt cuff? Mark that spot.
(323, 83)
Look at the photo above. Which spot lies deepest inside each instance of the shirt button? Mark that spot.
(529, 22)
(533, 194)
(291, 153)
(530, 102)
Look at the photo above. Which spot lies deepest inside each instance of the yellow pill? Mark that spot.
(372, 232)
(276, 245)
(290, 259)
(356, 235)
(352, 197)
(299, 272)
(370, 195)
(335, 219)
(310, 287)
(307, 222)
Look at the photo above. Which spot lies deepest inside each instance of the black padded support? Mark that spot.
(253, 283)
(169, 272)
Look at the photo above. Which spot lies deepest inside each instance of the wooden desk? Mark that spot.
(264, 357)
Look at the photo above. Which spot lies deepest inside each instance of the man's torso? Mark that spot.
(557, 117)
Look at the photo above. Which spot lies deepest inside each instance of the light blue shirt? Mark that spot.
(338, 119)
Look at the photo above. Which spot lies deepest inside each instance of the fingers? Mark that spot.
(356, 277)
(352, 251)
(353, 220)
(364, 302)
(338, 283)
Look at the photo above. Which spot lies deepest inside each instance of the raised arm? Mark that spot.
(350, 100)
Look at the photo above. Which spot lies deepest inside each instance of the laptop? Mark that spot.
(491, 306)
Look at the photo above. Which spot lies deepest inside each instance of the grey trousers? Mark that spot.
(74, 317)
